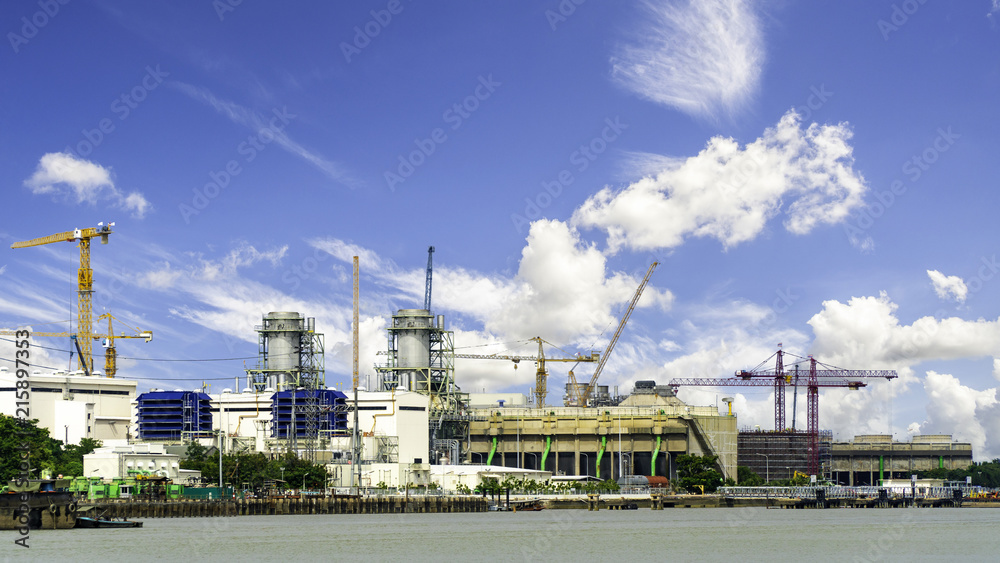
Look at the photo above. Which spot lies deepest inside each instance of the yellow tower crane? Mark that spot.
(541, 374)
(85, 282)
(110, 354)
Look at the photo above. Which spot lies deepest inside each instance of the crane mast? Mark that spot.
(85, 282)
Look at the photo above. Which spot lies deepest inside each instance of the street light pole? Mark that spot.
(304, 481)
(220, 463)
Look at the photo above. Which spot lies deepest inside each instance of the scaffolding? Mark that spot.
(779, 455)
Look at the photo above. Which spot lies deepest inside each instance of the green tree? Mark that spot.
(70, 463)
(698, 472)
(17, 436)
(747, 477)
(609, 486)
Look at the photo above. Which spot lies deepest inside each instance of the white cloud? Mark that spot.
(866, 332)
(959, 410)
(722, 338)
(67, 177)
(948, 287)
(729, 193)
(256, 123)
(562, 291)
(703, 57)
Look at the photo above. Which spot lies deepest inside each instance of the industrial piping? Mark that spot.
(656, 451)
(493, 450)
(545, 453)
(600, 454)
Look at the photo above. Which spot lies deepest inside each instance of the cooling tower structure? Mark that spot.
(422, 359)
(291, 361)
(290, 353)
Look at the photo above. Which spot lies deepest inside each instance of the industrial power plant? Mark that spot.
(416, 426)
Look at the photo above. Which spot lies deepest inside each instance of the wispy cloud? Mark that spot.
(65, 176)
(703, 57)
(256, 122)
(948, 287)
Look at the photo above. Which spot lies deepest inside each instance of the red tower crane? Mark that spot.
(827, 376)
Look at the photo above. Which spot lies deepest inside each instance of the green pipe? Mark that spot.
(881, 465)
(656, 452)
(493, 450)
(600, 454)
(545, 453)
(940, 462)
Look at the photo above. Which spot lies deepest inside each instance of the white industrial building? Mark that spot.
(449, 477)
(119, 462)
(73, 406)
(244, 418)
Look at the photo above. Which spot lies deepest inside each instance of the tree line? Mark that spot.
(47, 455)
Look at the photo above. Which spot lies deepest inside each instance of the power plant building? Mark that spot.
(74, 406)
(873, 458)
(605, 442)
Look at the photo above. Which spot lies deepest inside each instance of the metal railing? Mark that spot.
(842, 492)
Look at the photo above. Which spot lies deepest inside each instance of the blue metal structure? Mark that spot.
(167, 415)
(331, 416)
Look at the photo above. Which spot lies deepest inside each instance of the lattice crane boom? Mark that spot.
(85, 281)
(110, 353)
(541, 373)
(427, 285)
(582, 397)
(778, 377)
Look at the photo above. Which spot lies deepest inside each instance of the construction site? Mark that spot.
(417, 426)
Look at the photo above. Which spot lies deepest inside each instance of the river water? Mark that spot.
(722, 534)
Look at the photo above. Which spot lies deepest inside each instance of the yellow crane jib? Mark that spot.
(110, 354)
(85, 281)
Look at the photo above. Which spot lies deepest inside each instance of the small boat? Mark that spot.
(88, 522)
(527, 505)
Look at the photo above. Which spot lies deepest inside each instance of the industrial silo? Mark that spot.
(291, 353)
(282, 334)
(413, 329)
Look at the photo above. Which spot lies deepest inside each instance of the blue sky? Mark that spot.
(820, 174)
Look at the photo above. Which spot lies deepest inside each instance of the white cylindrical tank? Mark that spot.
(413, 341)
(283, 331)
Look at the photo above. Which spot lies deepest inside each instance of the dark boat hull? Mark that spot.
(46, 510)
(87, 522)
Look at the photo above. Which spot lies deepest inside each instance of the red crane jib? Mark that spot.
(779, 377)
